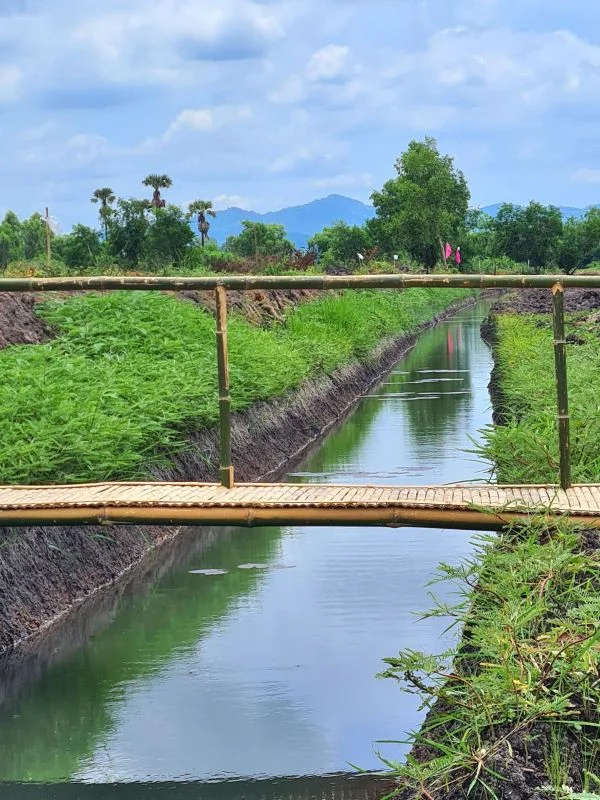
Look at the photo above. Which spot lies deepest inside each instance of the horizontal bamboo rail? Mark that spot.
(263, 282)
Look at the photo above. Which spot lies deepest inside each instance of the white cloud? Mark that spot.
(10, 83)
(586, 176)
(200, 120)
(223, 201)
(87, 147)
(328, 63)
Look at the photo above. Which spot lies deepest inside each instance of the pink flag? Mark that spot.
(448, 250)
(458, 256)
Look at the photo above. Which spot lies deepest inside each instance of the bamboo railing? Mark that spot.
(219, 285)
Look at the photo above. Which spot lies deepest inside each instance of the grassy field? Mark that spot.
(525, 450)
(130, 374)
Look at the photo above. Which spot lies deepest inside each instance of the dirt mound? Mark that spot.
(539, 301)
(19, 323)
(258, 307)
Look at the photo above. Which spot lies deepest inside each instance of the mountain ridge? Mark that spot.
(301, 222)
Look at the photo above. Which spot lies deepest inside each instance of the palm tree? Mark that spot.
(106, 197)
(203, 208)
(158, 182)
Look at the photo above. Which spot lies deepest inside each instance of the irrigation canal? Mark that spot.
(242, 663)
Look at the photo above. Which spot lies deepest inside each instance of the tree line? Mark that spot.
(423, 207)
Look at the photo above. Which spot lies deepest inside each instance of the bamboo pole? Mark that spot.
(48, 244)
(562, 392)
(257, 517)
(265, 282)
(226, 467)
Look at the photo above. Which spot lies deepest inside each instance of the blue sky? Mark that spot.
(267, 103)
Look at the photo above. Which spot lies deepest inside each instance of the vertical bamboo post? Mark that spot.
(48, 245)
(226, 467)
(560, 360)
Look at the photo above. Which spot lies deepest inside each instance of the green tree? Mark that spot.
(11, 239)
(340, 243)
(259, 239)
(157, 182)
(168, 236)
(529, 234)
(127, 231)
(571, 248)
(80, 248)
(202, 209)
(425, 205)
(106, 197)
(33, 233)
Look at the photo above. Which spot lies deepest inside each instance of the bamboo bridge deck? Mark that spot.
(477, 507)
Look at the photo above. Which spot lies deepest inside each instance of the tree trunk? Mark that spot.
(443, 249)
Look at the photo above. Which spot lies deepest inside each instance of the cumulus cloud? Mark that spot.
(328, 63)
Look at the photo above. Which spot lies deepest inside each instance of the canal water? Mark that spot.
(250, 655)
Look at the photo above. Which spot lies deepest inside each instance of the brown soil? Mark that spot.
(539, 301)
(19, 323)
(259, 307)
(45, 572)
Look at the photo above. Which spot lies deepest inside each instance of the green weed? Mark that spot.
(525, 449)
(529, 607)
(130, 375)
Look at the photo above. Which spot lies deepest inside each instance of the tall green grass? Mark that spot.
(131, 374)
(525, 450)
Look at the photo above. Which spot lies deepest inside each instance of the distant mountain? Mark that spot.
(567, 211)
(300, 222)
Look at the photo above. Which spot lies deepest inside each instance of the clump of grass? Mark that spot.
(528, 663)
(132, 373)
(525, 449)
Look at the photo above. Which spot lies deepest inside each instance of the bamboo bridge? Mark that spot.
(478, 507)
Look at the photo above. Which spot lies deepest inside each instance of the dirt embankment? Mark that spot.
(539, 301)
(45, 572)
(19, 323)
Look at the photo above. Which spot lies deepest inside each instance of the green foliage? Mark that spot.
(479, 239)
(202, 209)
(258, 240)
(21, 240)
(497, 265)
(132, 373)
(168, 237)
(529, 234)
(127, 233)
(80, 248)
(341, 243)
(33, 235)
(529, 606)
(105, 197)
(525, 450)
(571, 247)
(428, 201)
(157, 182)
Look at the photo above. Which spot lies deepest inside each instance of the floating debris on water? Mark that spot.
(209, 571)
